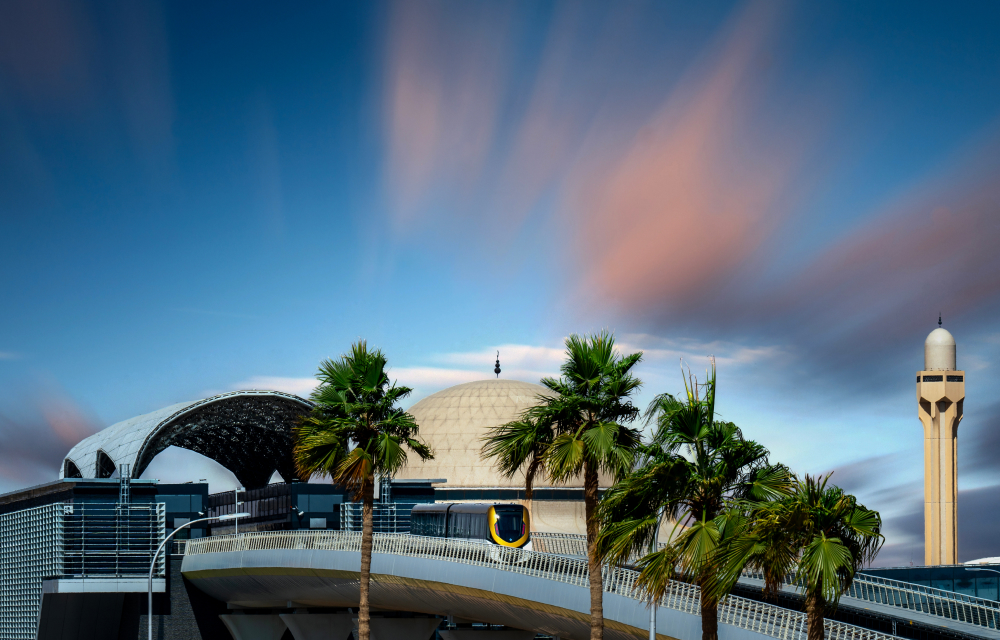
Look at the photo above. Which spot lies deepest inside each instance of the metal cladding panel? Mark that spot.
(121, 441)
(133, 442)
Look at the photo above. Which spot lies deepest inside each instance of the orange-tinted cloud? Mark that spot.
(32, 445)
(443, 93)
(697, 190)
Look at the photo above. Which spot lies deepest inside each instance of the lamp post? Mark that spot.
(152, 564)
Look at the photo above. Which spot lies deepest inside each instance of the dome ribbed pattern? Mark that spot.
(453, 422)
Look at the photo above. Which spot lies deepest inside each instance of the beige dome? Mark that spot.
(454, 421)
(939, 351)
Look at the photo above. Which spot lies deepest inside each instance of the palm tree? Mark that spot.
(355, 404)
(517, 445)
(578, 430)
(688, 473)
(818, 533)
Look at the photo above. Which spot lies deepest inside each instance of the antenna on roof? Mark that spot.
(496, 369)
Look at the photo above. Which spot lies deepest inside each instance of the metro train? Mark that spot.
(507, 525)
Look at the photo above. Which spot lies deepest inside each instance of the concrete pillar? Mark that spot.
(319, 626)
(399, 628)
(254, 627)
(483, 634)
(940, 396)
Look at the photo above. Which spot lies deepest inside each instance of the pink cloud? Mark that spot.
(443, 93)
(696, 191)
(933, 248)
(46, 46)
(33, 444)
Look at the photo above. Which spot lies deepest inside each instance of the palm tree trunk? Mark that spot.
(529, 491)
(815, 608)
(593, 561)
(709, 614)
(364, 619)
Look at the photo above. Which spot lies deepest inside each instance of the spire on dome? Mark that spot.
(496, 369)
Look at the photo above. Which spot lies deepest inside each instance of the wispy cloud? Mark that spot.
(36, 433)
(442, 110)
(680, 209)
(686, 202)
(517, 361)
(297, 386)
(669, 351)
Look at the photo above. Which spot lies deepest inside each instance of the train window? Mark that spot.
(509, 525)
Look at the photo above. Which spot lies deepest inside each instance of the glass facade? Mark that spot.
(276, 507)
(964, 579)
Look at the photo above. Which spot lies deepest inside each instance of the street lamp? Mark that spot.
(152, 565)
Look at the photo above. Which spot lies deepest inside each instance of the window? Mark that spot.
(176, 504)
(321, 503)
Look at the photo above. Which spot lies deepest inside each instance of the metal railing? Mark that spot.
(935, 602)
(760, 617)
(569, 544)
(563, 544)
(914, 597)
(111, 540)
(893, 593)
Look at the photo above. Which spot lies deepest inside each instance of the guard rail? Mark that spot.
(759, 617)
(893, 593)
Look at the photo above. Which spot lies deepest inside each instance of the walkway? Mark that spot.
(536, 591)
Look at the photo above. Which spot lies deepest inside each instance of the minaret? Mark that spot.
(940, 396)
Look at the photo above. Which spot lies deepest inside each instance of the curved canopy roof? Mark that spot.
(247, 432)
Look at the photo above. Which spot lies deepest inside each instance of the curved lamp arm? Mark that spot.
(152, 564)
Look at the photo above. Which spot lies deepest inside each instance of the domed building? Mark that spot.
(454, 421)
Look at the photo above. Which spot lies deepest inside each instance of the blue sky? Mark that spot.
(196, 198)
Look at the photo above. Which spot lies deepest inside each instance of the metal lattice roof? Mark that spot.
(248, 432)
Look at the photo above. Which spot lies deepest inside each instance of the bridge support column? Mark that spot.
(254, 627)
(396, 628)
(319, 626)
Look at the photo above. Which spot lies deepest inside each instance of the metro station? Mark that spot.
(76, 553)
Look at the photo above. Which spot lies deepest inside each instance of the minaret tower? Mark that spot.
(940, 396)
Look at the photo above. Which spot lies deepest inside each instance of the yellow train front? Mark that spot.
(507, 525)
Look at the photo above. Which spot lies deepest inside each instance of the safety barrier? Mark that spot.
(760, 617)
(936, 602)
(893, 593)
(915, 597)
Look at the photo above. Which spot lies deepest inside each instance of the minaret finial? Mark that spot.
(939, 318)
(496, 369)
